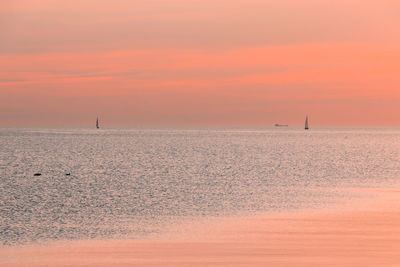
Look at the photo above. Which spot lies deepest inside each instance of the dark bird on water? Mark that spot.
(37, 174)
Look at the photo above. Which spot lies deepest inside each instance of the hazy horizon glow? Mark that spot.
(229, 63)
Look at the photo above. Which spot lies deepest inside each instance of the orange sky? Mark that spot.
(193, 63)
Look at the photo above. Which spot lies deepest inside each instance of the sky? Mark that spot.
(199, 63)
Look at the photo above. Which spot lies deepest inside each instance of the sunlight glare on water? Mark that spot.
(127, 183)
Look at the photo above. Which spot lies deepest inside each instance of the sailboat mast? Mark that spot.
(97, 123)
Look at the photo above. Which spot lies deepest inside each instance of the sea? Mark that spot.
(131, 183)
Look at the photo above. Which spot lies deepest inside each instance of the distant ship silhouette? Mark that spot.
(306, 124)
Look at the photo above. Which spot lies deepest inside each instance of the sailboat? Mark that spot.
(97, 123)
(306, 124)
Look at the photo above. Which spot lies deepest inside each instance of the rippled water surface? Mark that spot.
(128, 183)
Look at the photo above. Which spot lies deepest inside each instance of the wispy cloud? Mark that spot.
(205, 60)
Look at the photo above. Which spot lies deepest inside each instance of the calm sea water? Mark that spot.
(129, 183)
